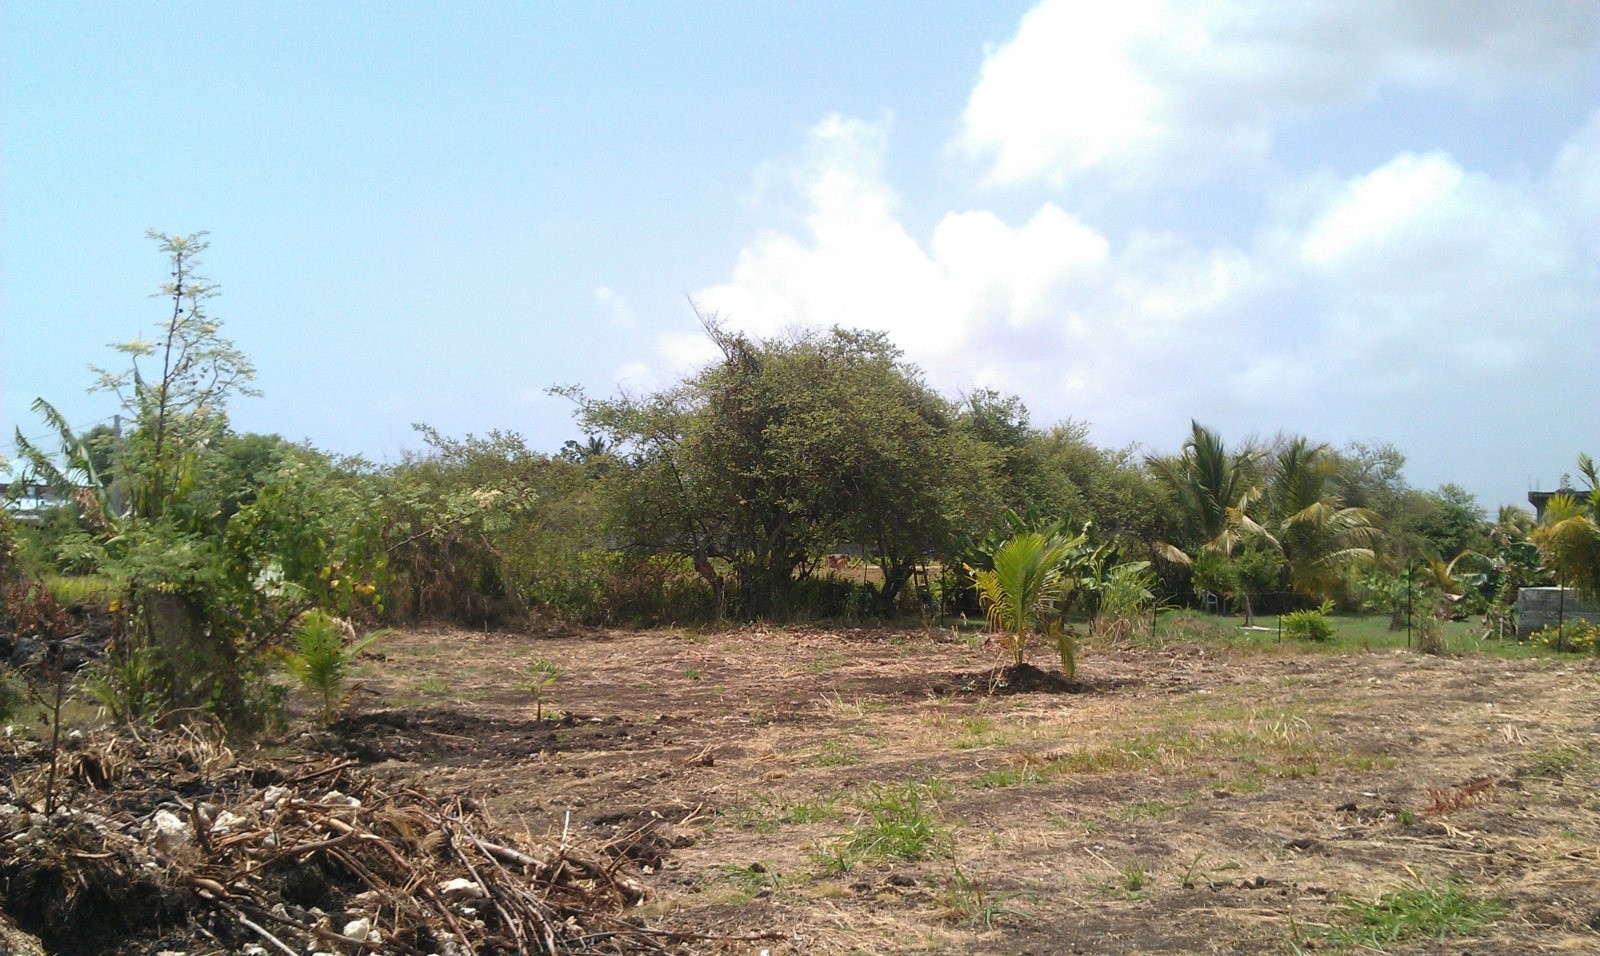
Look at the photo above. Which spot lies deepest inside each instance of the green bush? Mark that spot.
(1311, 624)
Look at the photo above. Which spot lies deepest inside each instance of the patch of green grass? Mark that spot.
(749, 881)
(431, 685)
(823, 663)
(80, 589)
(835, 754)
(1559, 761)
(1431, 910)
(693, 673)
(897, 822)
(766, 816)
(1353, 633)
(1150, 810)
(1014, 776)
(815, 810)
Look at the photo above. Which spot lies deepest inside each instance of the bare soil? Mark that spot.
(1178, 799)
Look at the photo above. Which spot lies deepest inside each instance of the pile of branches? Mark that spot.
(172, 842)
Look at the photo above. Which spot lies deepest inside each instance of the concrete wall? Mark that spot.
(1539, 607)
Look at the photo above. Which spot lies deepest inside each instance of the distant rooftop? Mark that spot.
(1541, 498)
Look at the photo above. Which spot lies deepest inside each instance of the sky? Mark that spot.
(1356, 222)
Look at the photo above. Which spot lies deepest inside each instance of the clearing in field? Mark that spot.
(871, 791)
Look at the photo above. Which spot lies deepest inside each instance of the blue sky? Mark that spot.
(1374, 224)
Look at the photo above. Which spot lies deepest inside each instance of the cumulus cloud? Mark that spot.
(616, 307)
(1409, 302)
(1182, 88)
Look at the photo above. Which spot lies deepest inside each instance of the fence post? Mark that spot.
(1561, 616)
(1411, 595)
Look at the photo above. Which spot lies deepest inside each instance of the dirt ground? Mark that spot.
(863, 791)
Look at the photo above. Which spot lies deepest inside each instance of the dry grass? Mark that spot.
(1251, 794)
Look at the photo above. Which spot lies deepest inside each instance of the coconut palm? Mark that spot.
(1318, 535)
(1214, 491)
(1032, 575)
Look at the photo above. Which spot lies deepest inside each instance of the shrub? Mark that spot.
(1126, 599)
(1581, 637)
(321, 659)
(1311, 624)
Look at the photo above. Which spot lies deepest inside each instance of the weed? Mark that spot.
(751, 881)
(1432, 910)
(896, 823)
(1310, 625)
(1187, 881)
(69, 590)
(968, 900)
(1149, 810)
(432, 685)
(1135, 876)
(835, 754)
(693, 673)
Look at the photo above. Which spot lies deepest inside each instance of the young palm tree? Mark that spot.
(1021, 594)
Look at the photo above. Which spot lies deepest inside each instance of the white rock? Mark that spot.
(275, 797)
(227, 821)
(336, 798)
(358, 928)
(461, 887)
(253, 950)
(169, 833)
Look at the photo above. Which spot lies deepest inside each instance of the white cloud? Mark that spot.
(1416, 301)
(616, 307)
(1183, 88)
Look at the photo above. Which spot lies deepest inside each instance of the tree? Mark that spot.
(764, 461)
(1318, 535)
(1212, 491)
(1450, 521)
(182, 407)
(215, 541)
(1569, 538)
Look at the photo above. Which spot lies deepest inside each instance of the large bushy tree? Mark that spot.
(784, 449)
